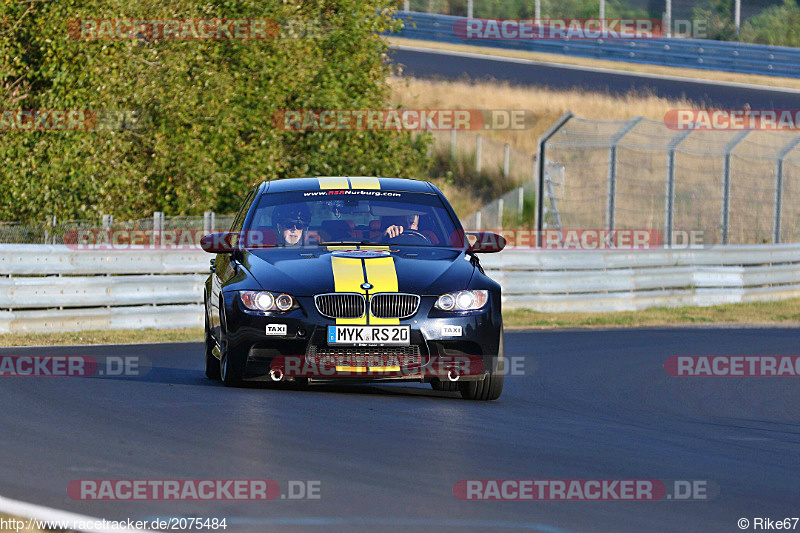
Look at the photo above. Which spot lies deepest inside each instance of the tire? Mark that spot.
(446, 386)
(230, 372)
(212, 363)
(491, 387)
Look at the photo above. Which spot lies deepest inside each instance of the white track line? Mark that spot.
(39, 512)
(519, 61)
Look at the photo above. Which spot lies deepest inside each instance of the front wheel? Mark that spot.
(212, 364)
(229, 370)
(491, 387)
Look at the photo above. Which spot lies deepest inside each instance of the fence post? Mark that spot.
(500, 208)
(207, 228)
(506, 150)
(726, 183)
(453, 144)
(520, 205)
(158, 226)
(479, 154)
(776, 226)
(540, 170)
(469, 8)
(108, 221)
(478, 220)
(611, 198)
(669, 204)
(406, 5)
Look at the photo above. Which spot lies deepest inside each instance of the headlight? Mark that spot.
(462, 300)
(267, 301)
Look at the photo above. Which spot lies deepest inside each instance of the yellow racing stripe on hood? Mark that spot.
(382, 274)
(348, 275)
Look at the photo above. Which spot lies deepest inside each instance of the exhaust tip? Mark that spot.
(276, 374)
(453, 375)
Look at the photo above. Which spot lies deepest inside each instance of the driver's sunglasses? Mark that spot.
(295, 227)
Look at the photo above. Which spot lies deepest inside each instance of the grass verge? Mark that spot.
(112, 336)
(785, 312)
(546, 104)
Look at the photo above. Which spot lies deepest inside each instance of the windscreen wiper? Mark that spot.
(349, 243)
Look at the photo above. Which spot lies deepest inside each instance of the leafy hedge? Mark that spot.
(205, 106)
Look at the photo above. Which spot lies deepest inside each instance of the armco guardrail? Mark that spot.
(50, 288)
(626, 280)
(675, 52)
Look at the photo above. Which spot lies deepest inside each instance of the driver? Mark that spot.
(291, 222)
(410, 222)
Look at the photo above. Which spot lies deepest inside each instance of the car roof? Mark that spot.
(347, 182)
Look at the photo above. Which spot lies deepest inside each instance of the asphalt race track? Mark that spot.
(448, 65)
(591, 405)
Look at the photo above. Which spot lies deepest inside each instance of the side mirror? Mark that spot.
(218, 243)
(485, 242)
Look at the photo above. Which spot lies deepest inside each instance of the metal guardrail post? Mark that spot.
(478, 154)
(540, 171)
(611, 199)
(506, 160)
(453, 144)
(776, 225)
(726, 183)
(520, 204)
(669, 207)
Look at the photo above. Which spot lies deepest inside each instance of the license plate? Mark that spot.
(378, 335)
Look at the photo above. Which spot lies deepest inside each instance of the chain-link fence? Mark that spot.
(53, 231)
(736, 187)
(485, 156)
(517, 208)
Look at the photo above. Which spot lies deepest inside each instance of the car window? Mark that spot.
(354, 216)
(240, 216)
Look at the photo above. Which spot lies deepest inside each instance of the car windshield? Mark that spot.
(351, 217)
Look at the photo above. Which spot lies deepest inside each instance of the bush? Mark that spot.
(777, 25)
(206, 131)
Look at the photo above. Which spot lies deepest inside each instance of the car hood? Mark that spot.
(308, 271)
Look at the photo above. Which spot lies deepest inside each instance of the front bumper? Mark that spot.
(255, 352)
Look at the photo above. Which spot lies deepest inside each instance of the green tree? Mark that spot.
(206, 132)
